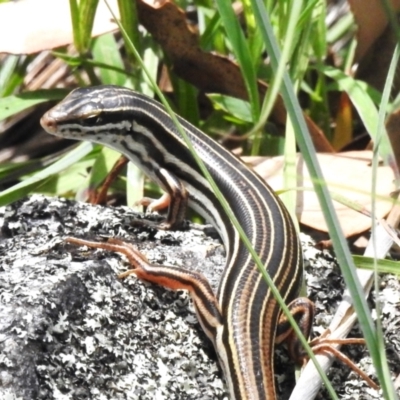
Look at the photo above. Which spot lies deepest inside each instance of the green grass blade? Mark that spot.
(7, 69)
(76, 61)
(272, 93)
(87, 12)
(381, 266)
(232, 105)
(73, 180)
(76, 29)
(105, 52)
(209, 29)
(24, 188)
(187, 104)
(11, 171)
(104, 163)
(381, 139)
(152, 62)
(242, 53)
(13, 104)
(361, 99)
(130, 22)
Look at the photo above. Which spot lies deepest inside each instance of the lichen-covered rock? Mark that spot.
(70, 329)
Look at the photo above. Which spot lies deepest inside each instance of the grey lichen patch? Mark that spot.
(70, 329)
(325, 284)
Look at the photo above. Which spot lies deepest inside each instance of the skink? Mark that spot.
(243, 318)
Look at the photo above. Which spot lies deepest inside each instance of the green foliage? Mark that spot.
(14, 104)
(39, 178)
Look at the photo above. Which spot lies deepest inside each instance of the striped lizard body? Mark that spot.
(242, 319)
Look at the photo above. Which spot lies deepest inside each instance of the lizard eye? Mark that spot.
(91, 120)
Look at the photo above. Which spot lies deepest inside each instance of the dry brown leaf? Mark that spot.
(374, 66)
(371, 21)
(348, 175)
(376, 42)
(344, 123)
(212, 73)
(30, 26)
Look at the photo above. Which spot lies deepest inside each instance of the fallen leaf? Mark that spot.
(30, 26)
(376, 42)
(373, 67)
(348, 175)
(371, 22)
(344, 123)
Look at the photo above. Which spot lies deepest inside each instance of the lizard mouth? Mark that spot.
(48, 123)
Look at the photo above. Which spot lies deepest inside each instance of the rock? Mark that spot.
(70, 329)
